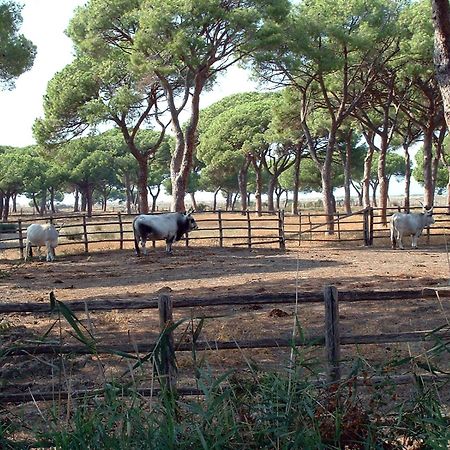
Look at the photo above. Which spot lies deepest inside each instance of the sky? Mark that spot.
(44, 23)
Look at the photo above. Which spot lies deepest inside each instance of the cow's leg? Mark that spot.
(400, 240)
(169, 242)
(393, 238)
(50, 255)
(28, 251)
(414, 240)
(39, 252)
(143, 247)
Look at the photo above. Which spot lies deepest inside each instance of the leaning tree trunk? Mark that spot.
(193, 201)
(441, 23)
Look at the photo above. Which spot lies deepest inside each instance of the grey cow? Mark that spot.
(410, 224)
(169, 227)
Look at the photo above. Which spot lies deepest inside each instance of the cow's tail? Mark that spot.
(136, 239)
(393, 237)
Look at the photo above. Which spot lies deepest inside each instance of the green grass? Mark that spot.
(250, 409)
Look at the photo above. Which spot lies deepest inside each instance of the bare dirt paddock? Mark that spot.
(202, 272)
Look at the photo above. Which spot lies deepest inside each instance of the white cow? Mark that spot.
(411, 224)
(169, 227)
(39, 235)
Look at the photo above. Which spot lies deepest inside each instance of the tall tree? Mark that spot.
(441, 23)
(17, 53)
(332, 59)
(192, 42)
(101, 89)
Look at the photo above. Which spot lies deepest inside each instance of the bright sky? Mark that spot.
(44, 22)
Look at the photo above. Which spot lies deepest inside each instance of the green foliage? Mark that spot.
(442, 172)
(17, 53)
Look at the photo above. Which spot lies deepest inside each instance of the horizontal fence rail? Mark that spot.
(332, 339)
(245, 229)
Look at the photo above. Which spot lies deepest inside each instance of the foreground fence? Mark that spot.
(331, 339)
(223, 229)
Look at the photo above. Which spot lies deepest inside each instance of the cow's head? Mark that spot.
(192, 224)
(428, 213)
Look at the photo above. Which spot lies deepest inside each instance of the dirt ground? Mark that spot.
(202, 272)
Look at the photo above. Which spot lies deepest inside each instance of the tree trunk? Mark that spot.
(327, 186)
(193, 201)
(2, 202)
(105, 200)
(233, 204)
(367, 169)
(35, 203)
(298, 159)
(428, 196)
(270, 193)
(242, 182)
(441, 23)
(89, 199)
(142, 184)
(407, 203)
(258, 191)
(14, 202)
(155, 197)
(448, 190)
(6, 207)
(347, 173)
(43, 202)
(215, 198)
(52, 199)
(128, 193)
(374, 195)
(83, 201)
(76, 207)
(382, 178)
(185, 138)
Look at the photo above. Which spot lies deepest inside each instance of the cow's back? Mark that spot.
(407, 223)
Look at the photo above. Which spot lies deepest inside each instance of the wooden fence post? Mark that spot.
(366, 226)
(332, 334)
(168, 375)
(371, 226)
(249, 230)
(119, 215)
(21, 246)
(338, 225)
(219, 216)
(299, 228)
(281, 229)
(86, 242)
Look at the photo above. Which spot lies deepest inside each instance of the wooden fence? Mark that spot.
(332, 339)
(222, 229)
